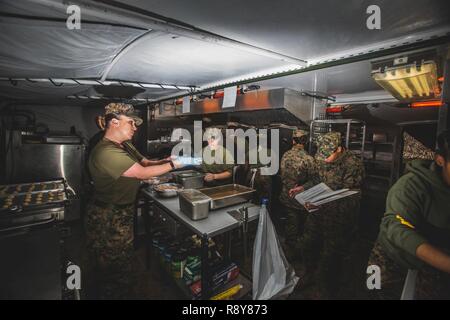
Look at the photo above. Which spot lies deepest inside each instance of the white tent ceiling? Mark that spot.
(167, 58)
(305, 29)
(37, 44)
(49, 49)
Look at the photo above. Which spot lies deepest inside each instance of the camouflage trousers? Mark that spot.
(109, 240)
(430, 283)
(326, 244)
(295, 220)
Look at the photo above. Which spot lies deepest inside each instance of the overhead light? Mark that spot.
(410, 82)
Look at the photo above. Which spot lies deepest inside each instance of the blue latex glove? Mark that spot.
(189, 161)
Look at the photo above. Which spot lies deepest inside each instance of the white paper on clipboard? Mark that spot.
(229, 97)
(186, 104)
(321, 194)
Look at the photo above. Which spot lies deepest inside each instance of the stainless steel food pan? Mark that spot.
(227, 195)
(194, 204)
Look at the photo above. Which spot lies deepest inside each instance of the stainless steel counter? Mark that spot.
(218, 221)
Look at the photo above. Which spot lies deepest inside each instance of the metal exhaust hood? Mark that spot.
(274, 99)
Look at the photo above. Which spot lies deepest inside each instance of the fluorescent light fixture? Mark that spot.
(410, 82)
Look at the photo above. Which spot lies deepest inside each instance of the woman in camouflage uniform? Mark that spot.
(116, 168)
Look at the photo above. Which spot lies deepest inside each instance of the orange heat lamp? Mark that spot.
(426, 104)
(334, 109)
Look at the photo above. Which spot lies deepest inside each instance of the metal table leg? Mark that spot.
(245, 233)
(205, 281)
(228, 245)
(148, 232)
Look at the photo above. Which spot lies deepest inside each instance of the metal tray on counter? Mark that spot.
(194, 204)
(189, 179)
(227, 195)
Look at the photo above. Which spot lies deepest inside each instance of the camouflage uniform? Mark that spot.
(414, 149)
(330, 231)
(123, 108)
(297, 167)
(430, 283)
(109, 219)
(109, 240)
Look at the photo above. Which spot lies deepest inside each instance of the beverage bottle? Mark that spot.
(264, 204)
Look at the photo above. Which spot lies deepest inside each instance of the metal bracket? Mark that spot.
(318, 95)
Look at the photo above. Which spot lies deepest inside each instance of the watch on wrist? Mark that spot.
(172, 164)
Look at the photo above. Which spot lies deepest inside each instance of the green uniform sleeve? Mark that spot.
(113, 161)
(403, 214)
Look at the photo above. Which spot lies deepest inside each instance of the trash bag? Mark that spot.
(273, 277)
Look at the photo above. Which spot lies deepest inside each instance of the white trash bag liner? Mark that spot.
(273, 277)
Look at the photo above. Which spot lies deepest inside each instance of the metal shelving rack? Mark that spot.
(392, 164)
(353, 130)
(204, 231)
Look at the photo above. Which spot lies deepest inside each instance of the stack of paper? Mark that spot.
(321, 194)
